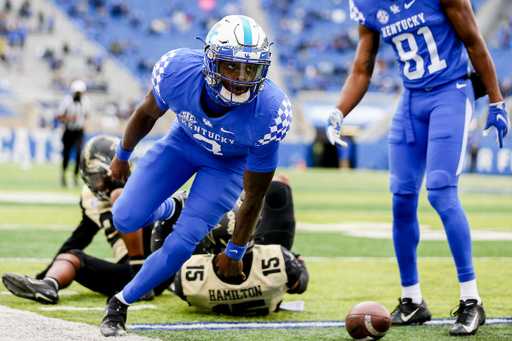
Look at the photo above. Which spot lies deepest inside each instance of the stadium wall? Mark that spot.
(39, 145)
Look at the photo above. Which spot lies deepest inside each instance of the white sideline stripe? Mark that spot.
(46, 260)
(385, 231)
(8, 227)
(39, 198)
(69, 308)
(280, 325)
(61, 293)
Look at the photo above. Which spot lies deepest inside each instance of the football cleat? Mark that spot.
(470, 316)
(31, 288)
(163, 228)
(407, 313)
(114, 318)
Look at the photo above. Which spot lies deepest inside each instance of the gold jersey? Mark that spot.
(100, 212)
(259, 294)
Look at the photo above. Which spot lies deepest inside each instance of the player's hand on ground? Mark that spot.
(333, 128)
(499, 119)
(229, 267)
(120, 169)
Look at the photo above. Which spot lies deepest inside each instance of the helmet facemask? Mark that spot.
(95, 162)
(98, 183)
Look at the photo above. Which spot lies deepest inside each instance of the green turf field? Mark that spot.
(344, 270)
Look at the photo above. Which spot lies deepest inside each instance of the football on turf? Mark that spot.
(368, 321)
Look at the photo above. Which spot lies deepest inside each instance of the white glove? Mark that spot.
(333, 128)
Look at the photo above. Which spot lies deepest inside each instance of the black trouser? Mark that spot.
(277, 225)
(72, 138)
(100, 275)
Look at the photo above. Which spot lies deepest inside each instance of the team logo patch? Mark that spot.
(382, 16)
(207, 122)
(185, 117)
(395, 9)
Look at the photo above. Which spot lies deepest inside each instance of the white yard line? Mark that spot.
(384, 231)
(39, 198)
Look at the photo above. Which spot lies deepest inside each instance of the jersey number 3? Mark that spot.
(405, 56)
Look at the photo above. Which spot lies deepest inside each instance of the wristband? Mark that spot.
(235, 251)
(122, 154)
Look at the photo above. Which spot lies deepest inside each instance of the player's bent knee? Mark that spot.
(439, 179)
(123, 219)
(70, 257)
(282, 178)
(443, 199)
(402, 187)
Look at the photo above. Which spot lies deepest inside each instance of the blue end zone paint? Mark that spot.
(280, 325)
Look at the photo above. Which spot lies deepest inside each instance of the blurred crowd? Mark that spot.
(316, 40)
(502, 40)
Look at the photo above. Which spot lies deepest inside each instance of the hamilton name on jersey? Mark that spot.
(190, 121)
(401, 25)
(233, 295)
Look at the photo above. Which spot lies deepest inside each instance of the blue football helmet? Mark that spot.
(236, 60)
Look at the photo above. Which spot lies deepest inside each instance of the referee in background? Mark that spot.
(72, 112)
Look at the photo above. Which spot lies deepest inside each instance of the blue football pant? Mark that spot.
(162, 171)
(428, 136)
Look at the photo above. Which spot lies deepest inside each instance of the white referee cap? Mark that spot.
(78, 86)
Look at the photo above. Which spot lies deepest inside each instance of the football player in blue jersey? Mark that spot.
(433, 40)
(230, 120)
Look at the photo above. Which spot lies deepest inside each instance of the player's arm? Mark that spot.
(357, 82)
(460, 14)
(364, 63)
(298, 276)
(256, 186)
(139, 125)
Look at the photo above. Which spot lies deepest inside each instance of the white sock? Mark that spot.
(120, 297)
(468, 290)
(413, 292)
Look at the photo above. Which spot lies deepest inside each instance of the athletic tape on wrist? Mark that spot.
(235, 251)
(122, 154)
(336, 110)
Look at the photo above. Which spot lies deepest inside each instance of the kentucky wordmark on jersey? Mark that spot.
(426, 46)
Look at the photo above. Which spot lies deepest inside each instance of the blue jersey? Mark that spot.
(426, 46)
(253, 130)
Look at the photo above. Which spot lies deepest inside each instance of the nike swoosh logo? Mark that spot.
(408, 317)
(226, 131)
(500, 117)
(472, 325)
(409, 4)
(459, 86)
(38, 295)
